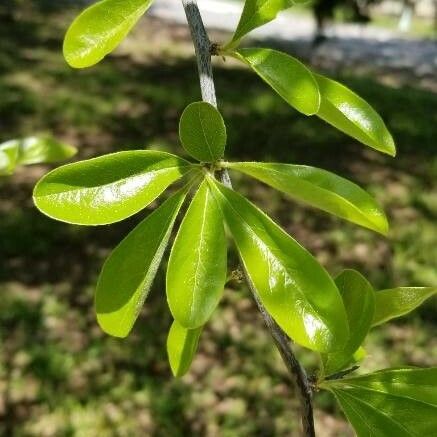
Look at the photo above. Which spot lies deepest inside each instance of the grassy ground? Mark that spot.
(59, 374)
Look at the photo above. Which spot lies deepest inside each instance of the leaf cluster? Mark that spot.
(329, 316)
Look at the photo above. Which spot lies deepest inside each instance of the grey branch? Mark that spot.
(202, 46)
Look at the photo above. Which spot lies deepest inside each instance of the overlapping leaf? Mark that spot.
(99, 29)
(293, 286)
(203, 132)
(108, 188)
(196, 272)
(128, 273)
(286, 75)
(396, 302)
(321, 189)
(346, 111)
(359, 301)
(181, 347)
(392, 402)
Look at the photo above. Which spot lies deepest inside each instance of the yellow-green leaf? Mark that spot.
(390, 402)
(128, 273)
(99, 29)
(396, 302)
(351, 114)
(286, 75)
(255, 14)
(203, 132)
(320, 189)
(196, 272)
(181, 348)
(359, 301)
(109, 188)
(294, 288)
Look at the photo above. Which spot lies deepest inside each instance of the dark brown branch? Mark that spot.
(203, 47)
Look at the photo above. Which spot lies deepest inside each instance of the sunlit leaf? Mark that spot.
(348, 112)
(99, 29)
(359, 301)
(255, 14)
(181, 347)
(286, 75)
(202, 132)
(8, 157)
(293, 286)
(392, 402)
(196, 272)
(128, 273)
(320, 189)
(396, 302)
(32, 150)
(109, 188)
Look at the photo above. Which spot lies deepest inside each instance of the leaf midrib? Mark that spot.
(130, 18)
(247, 226)
(80, 189)
(195, 285)
(144, 284)
(374, 390)
(323, 191)
(379, 412)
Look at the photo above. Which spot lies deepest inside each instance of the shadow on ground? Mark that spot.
(59, 374)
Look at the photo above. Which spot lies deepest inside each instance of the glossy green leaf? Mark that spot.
(255, 14)
(320, 189)
(203, 132)
(128, 273)
(286, 75)
(196, 272)
(392, 402)
(99, 29)
(348, 112)
(359, 301)
(396, 302)
(109, 188)
(181, 348)
(295, 289)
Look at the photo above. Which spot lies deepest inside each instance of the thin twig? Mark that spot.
(203, 48)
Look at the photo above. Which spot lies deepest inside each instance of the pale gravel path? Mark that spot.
(351, 46)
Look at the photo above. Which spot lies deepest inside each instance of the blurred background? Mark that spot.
(59, 374)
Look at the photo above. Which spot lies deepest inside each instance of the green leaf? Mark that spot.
(128, 273)
(196, 272)
(392, 402)
(99, 29)
(32, 150)
(295, 289)
(109, 188)
(286, 75)
(181, 347)
(348, 112)
(257, 13)
(203, 132)
(359, 301)
(396, 302)
(320, 189)
(8, 157)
